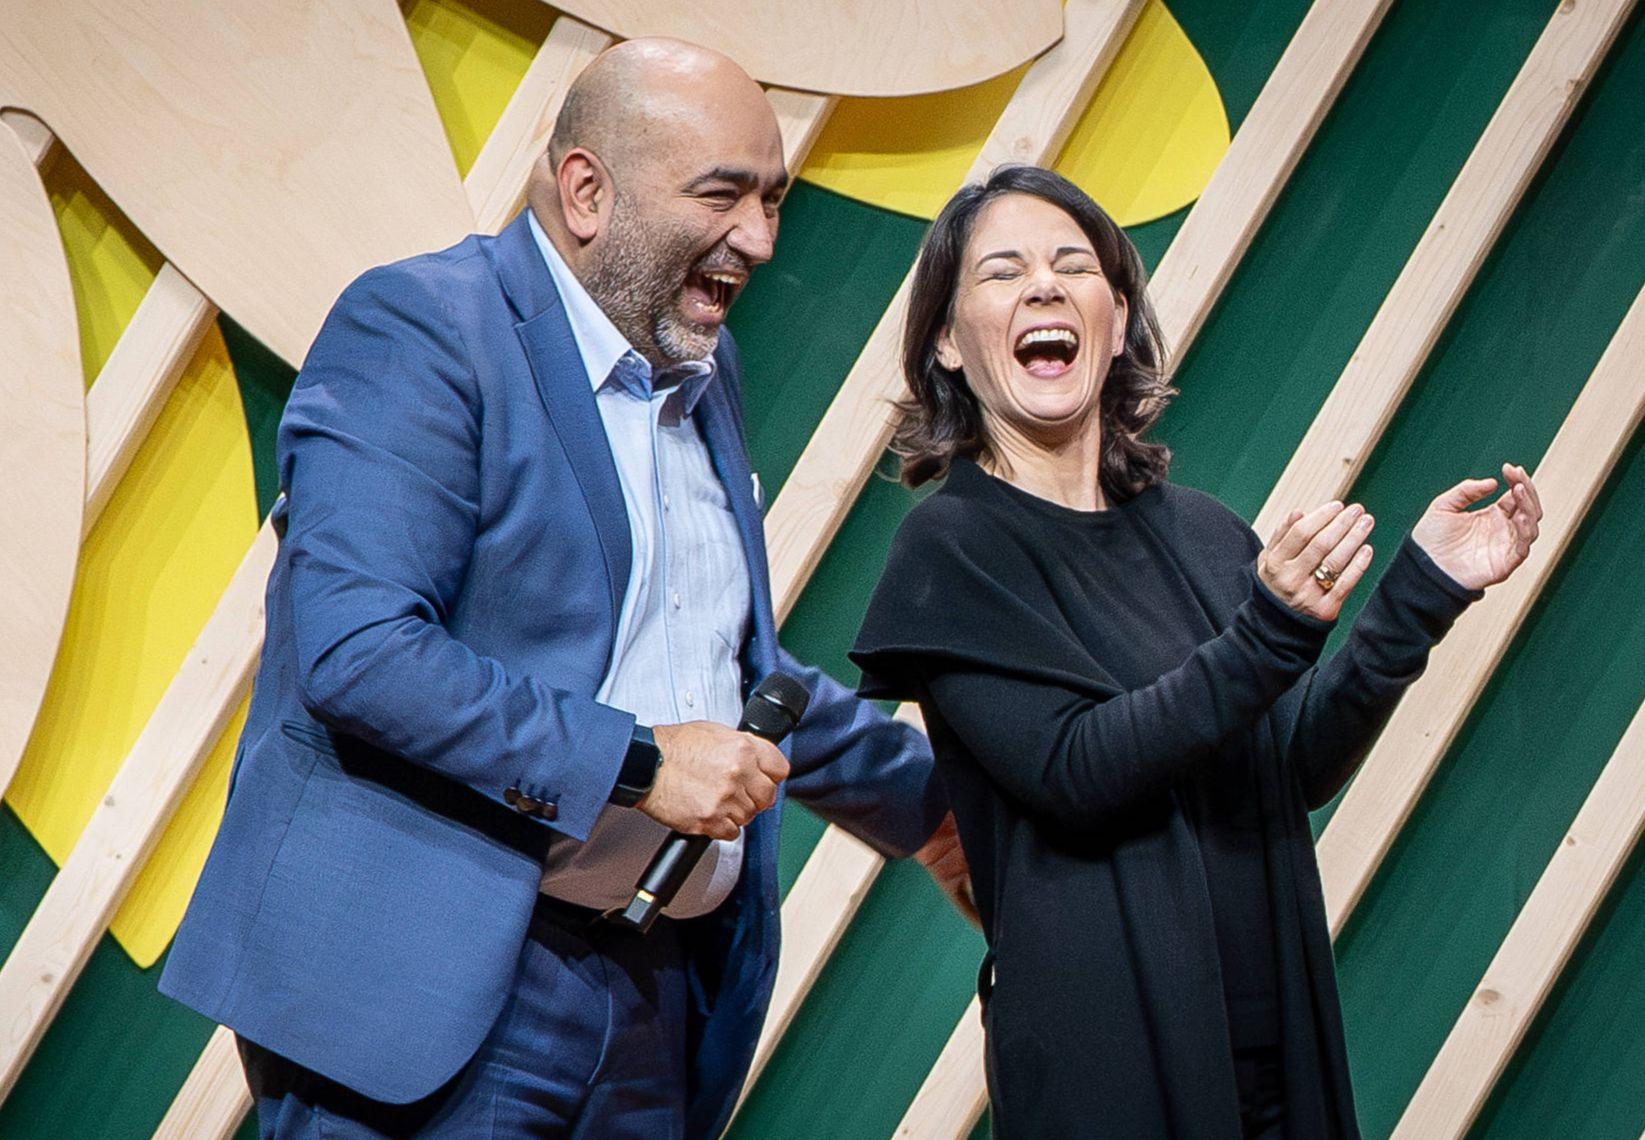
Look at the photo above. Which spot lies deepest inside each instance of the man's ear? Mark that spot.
(586, 193)
(947, 355)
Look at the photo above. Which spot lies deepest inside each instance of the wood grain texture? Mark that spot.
(43, 462)
(138, 377)
(214, 1099)
(847, 47)
(77, 907)
(269, 177)
(1432, 712)
(1544, 936)
(1453, 247)
(1294, 101)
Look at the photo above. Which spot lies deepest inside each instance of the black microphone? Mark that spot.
(771, 713)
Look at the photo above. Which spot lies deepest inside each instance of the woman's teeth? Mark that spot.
(1063, 337)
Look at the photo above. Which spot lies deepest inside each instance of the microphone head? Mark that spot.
(777, 704)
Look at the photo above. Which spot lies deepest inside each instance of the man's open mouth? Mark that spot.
(1048, 351)
(709, 293)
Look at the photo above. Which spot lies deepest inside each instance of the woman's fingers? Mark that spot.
(1330, 536)
(1340, 556)
(1302, 532)
(1465, 494)
(1281, 527)
(1519, 476)
(1349, 578)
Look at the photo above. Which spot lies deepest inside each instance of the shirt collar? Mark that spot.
(601, 345)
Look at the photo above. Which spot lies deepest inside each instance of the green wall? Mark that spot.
(1497, 387)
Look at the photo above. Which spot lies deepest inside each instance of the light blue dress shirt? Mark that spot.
(686, 612)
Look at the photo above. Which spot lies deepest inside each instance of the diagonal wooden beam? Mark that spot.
(88, 889)
(1281, 123)
(1433, 710)
(1541, 942)
(954, 1094)
(1439, 271)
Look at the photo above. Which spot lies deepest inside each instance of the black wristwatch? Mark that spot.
(639, 770)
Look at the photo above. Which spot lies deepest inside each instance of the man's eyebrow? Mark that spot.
(739, 176)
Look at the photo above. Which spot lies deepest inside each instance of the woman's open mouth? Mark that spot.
(1047, 352)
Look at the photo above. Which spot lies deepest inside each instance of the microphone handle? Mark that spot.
(671, 866)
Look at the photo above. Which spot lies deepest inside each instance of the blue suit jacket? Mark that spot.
(440, 614)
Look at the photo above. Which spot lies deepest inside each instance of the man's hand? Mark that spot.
(945, 862)
(712, 780)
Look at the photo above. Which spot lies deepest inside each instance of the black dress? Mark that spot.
(1132, 732)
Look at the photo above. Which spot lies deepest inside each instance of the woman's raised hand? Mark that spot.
(1314, 560)
(1481, 548)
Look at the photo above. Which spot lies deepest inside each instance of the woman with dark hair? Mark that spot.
(1119, 680)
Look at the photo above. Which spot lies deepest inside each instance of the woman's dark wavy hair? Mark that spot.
(940, 418)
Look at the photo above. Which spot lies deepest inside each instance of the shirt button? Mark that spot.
(667, 502)
(676, 599)
(690, 699)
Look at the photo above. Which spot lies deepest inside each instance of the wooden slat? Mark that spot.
(801, 117)
(137, 379)
(1446, 260)
(1294, 101)
(853, 432)
(214, 1099)
(496, 182)
(1544, 936)
(1433, 710)
(83, 897)
(954, 1094)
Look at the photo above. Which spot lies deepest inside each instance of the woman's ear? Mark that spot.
(1122, 316)
(585, 193)
(947, 355)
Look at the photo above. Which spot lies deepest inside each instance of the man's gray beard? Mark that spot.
(637, 281)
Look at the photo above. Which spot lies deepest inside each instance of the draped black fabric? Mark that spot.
(1132, 730)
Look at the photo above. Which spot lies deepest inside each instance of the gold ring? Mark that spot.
(1325, 576)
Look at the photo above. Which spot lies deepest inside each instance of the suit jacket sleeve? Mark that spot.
(379, 456)
(859, 768)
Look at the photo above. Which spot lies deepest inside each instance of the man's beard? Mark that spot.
(637, 279)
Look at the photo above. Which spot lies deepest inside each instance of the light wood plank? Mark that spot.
(847, 47)
(92, 882)
(1433, 710)
(43, 459)
(801, 117)
(138, 378)
(271, 178)
(854, 431)
(954, 1094)
(1443, 265)
(496, 182)
(1539, 945)
(1294, 101)
(214, 1099)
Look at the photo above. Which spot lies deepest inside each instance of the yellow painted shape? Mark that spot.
(474, 56)
(1144, 147)
(111, 265)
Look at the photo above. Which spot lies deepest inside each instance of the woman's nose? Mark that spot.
(1044, 288)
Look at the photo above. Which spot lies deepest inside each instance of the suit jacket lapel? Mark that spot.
(567, 394)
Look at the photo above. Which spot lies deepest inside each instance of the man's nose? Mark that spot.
(755, 233)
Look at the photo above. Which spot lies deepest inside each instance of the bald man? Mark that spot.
(520, 599)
